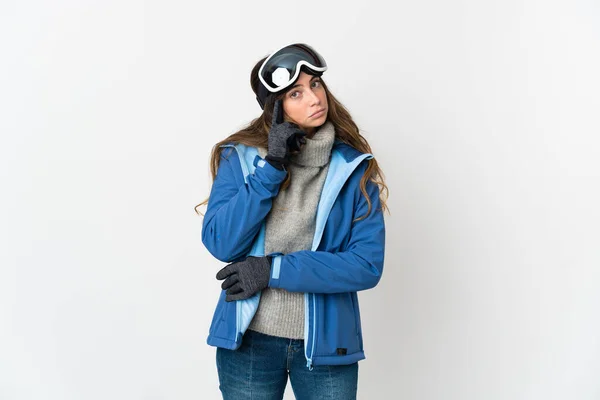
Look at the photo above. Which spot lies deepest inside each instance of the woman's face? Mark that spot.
(303, 100)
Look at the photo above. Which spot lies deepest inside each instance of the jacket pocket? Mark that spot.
(336, 331)
(357, 318)
(224, 318)
(354, 298)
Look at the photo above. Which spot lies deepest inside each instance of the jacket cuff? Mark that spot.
(270, 171)
(275, 269)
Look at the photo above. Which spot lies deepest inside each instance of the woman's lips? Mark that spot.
(318, 113)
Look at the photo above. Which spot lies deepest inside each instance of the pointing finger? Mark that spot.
(277, 113)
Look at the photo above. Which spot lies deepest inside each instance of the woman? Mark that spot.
(295, 210)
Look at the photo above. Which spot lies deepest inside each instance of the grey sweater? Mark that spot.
(290, 226)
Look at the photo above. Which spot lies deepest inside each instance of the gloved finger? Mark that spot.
(230, 281)
(300, 140)
(277, 113)
(235, 289)
(239, 296)
(293, 140)
(293, 146)
(226, 271)
(243, 295)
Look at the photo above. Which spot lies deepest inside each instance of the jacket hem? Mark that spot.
(216, 341)
(338, 360)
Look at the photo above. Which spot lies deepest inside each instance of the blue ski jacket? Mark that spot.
(345, 257)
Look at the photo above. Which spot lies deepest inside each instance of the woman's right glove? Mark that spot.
(284, 138)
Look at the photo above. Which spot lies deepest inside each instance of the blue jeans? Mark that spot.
(259, 369)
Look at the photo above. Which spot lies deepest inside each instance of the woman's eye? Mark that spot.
(314, 83)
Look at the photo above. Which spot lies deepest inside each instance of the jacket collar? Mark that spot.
(348, 152)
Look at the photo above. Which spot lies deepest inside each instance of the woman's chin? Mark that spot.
(314, 123)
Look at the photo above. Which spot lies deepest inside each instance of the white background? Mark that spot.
(484, 116)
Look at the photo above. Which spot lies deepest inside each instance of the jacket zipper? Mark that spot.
(306, 329)
(238, 322)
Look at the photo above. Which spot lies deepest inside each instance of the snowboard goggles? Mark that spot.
(282, 68)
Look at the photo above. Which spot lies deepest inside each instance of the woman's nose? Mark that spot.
(313, 99)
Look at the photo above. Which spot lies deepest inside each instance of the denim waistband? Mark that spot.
(259, 336)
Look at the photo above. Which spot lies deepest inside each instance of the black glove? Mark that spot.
(245, 278)
(284, 138)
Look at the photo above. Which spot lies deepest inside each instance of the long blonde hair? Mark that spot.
(256, 134)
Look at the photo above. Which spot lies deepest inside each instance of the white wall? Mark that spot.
(484, 116)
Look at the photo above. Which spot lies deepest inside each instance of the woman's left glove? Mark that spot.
(245, 278)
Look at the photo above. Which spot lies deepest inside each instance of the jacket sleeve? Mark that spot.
(359, 267)
(235, 211)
